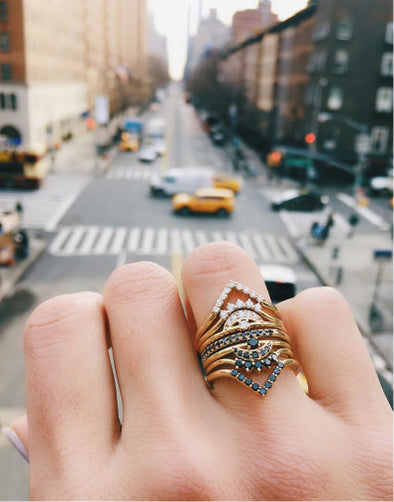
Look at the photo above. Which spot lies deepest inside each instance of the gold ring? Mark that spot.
(242, 337)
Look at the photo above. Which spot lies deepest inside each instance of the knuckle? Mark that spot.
(52, 321)
(139, 280)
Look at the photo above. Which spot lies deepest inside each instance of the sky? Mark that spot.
(171, 20)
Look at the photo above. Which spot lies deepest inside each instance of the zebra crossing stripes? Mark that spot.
(129, 173)
(93, 240)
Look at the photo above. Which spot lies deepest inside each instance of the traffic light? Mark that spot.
(310, 138)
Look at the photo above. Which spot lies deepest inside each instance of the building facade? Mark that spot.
(56, 57)
(318, 72)
(350, 88)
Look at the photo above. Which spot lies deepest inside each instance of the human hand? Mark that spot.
(179, 440)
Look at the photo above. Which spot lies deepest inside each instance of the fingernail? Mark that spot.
(13, 438)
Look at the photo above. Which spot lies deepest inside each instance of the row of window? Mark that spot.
(335, 98)
(340, 65)
(8, 101)
(344, 31)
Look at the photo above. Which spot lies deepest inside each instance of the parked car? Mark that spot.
(147, 154)
(281, 281)
(205, 200)
(296, 200)
(381, 186)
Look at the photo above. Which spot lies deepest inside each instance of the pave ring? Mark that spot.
(242, 337)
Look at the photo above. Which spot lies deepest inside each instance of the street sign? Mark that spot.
(363, 144)
(382, 254)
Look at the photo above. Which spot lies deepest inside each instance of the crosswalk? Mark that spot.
(44, 208)
(130, 173)
(299, 223)
(95, 240)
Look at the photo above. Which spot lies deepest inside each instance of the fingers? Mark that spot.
(156, 364)
(205, 274)
(69, 385)
(335, 359)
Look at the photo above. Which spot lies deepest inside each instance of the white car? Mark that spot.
(147, 154)
(281, 281)
(382, 185)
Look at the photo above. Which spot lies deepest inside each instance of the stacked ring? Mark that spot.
(243, 337)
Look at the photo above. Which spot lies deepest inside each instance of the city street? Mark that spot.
(96, 221)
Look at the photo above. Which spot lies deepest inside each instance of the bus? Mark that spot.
(24, 169)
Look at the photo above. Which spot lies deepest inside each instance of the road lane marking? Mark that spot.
(117, 244)
(134, 238)
(103, 241)
(74, 240)
(288, 249)
(162, 241)
(59, 240)
(366, 212)
(261, 247)
(88, 241)
(247, 245)
(147, 241)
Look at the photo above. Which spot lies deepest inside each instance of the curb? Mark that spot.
(16, 272)
(364, 329)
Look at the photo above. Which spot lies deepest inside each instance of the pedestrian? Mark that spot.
(249, 431)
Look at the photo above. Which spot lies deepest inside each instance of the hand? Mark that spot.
(179, 440)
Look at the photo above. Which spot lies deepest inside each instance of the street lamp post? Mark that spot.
(362, 146)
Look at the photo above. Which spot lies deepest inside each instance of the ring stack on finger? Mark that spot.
(244, 337)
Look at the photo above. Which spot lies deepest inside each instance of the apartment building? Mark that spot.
(350, 84)
(55, 57)
(328, 70)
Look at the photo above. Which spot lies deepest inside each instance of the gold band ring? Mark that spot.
(243, 337)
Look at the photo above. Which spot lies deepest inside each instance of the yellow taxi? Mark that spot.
(129, 142)
(218, 201)
(230, 182)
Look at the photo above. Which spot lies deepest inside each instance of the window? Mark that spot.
(2, 101)
(335, 98)
(384, 99)
(386, 68)
(4, 41)
(389, 33)
(321, 31)
(6, 71)
(3, 11)
(379, 138)
(344, 29)
(14, 101)
(321, 60)
(341, 61)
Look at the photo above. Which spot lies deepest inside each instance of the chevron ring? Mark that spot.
(244, 336)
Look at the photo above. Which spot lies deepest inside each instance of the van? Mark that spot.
(180, 180)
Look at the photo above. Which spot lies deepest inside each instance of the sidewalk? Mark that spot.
(358, 282)
(9, 276)
(79, 156)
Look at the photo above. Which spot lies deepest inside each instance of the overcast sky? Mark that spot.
(171, 20)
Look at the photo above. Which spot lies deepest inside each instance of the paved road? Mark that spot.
(101, 222)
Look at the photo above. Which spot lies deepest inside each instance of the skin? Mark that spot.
(179, 440)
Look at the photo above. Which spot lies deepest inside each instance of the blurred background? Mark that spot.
(140, 129)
